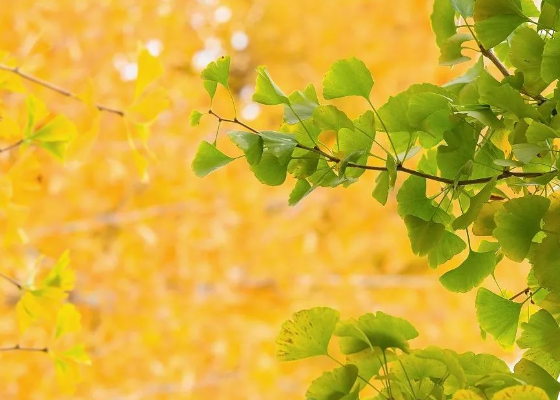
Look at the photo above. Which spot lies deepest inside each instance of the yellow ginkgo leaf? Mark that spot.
(526, 392)
(149, 69)
(61, 275)
(465, 395)
(55, 136)
(9, 127)
(39, 305)
(36, 111)
(81, 146)
(148, 106)
(67, 367)
(68, 320)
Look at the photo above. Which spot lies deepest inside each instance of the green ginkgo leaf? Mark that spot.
(449, 246)
(525, 392)
(518, 223)
(470, 273)
(535, 375)
(498, 316)
(495, 20)
(217, 71)
(208, 159)
(371, 331)
(335, 385)
(424, 235)
(348, 77)
(307, 334)
(476, 204)
(266, 91)
(251, 145)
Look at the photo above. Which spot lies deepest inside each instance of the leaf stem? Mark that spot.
(12, 146)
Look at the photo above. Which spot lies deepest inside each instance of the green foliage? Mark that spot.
(488, 143)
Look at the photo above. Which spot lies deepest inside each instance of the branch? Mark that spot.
(524, 291)
(400, 167)
(17, 347)
(12, 146)
(58, 89)
(11, 280)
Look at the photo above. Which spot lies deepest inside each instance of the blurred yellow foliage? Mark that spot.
(183, 283)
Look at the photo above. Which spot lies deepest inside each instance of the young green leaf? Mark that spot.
(526, 392)
(542, 332)
(336, 384)
(302, 189)
(303, 103)
(251, 145)
(381, 190)
(546, 263)
(535, 375)
(526, 51)
(217, 71)
(470, 273)
(424, 235)
(307, 334)
(375, 330)
(443, 21)
(517, 223)
(195, 117)
(476, 204)
(495, 20)
(497, 316)
(449, 246)
(348, 77)
(452, 49)
(550, 68)
(464, 7)
(208, 159)
(271, 170)
(266, 91)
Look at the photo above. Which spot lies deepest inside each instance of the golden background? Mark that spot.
(183, 282)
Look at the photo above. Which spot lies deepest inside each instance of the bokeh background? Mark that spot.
(183, 282)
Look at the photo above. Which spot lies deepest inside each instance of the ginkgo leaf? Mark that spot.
(194, 118)
(443, 21)
(251, 144)
(381, 190)
(61, 276)
(266, 91)
(412, 200)
(546, 263)
(149, 70)
(330, 118)
(518, 223)
(217, 71)
(526, 392)
(476, 204)
(447, 357)
(281, 145)
(335, 385)
(484, 224)
(208, 159)
(449, 246)
(552, 217)
(39, 305)
(526, 50)
(307, 334)
(550, 67)
(541, 331)
(498, 316)
(375, 330)
(302, 105)
(533, 374)
(271, 170)
(302, 189)
(68, 320)
(452, 49)
(424, 235)
(463, 394)
(55, 136)
(67, 367)
(495, 20)
(470, 273)
(464, 7)
(148, 106)
(349, 77)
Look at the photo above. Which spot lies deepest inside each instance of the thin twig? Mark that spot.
(17, 347)
(12, 146)
(58, 89)
(524, 291)
(11, 280)
(400, 167)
